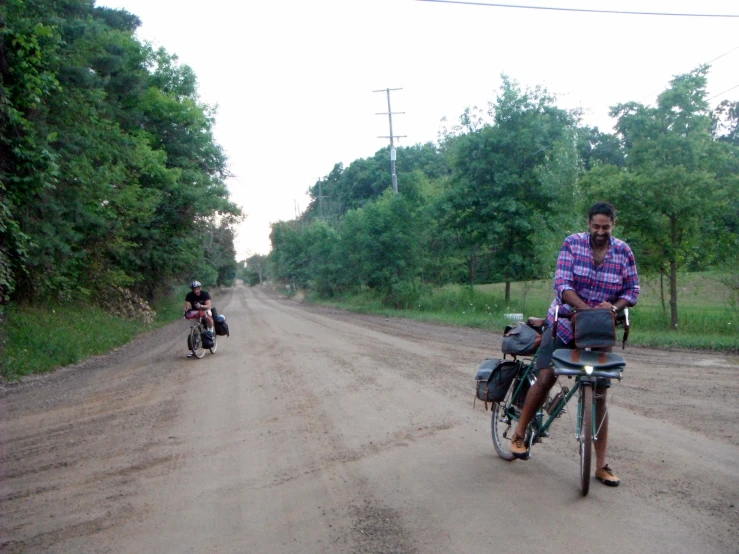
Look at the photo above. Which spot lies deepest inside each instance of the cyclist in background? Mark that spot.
(594, 270)
(199, 299)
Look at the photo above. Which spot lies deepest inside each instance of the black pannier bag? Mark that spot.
(221, 326)
(207, 340)
(494, 378)
(521, 340)
(594, 328)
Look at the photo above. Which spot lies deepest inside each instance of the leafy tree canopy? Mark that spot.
(109, 171)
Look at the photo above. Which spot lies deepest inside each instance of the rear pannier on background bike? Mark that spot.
(219, 322)
(221, 326)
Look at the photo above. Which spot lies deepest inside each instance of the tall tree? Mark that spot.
(381, 247)
(366, 179)
(255, 270)
(669, 189)
(109, 171)
(512, 178)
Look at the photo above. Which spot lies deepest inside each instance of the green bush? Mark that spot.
(403, 295)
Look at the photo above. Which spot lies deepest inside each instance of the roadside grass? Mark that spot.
(707, 318)
(41, 338)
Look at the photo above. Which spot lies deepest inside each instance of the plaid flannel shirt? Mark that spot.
(614, 278)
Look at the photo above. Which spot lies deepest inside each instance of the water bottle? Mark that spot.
(556, 400)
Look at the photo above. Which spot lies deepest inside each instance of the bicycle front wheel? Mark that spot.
(503, 426)
(586, 436)
(196, 341)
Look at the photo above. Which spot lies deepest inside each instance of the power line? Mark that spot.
(707, 63)
(713, 60)
(722, 55)
(721, 93)
(550, 8)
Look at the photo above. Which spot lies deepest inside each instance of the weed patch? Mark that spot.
(41, 338)
(707, 319)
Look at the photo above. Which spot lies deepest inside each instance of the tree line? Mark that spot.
(494, 198)
(110, 175)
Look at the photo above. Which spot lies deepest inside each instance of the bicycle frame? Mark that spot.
(543, 424)
(200, 320)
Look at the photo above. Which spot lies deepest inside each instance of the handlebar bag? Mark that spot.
(521, 340)
(494, 378)
(594, 328)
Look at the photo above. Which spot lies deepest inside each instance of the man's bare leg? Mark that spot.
(601, 415)
(602, 471)
(535, 398)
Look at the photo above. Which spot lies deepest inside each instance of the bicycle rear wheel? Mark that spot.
(215, 344)
(503, 425)
(586, 436)
(196, 341)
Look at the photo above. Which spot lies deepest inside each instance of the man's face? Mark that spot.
(196, 290)
(600, 228)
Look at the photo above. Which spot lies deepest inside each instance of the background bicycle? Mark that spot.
(198, 339)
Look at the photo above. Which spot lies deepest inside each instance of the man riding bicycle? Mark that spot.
(199, 299)
(594, 270)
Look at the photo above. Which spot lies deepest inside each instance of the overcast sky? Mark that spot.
(293, 79)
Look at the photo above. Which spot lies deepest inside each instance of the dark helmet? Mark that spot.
(195, 284)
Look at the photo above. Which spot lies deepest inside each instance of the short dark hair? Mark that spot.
(602, 208)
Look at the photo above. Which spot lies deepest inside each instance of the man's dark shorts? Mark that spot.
(549, 345)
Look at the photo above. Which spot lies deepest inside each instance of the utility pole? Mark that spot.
(391, 137)
(297, 215)
(320, 198)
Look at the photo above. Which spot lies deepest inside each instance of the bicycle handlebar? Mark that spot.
(622, 316)
(198, 307)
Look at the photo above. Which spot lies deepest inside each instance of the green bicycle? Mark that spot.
(584, 367)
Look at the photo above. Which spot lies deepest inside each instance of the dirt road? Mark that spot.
(313, 430)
